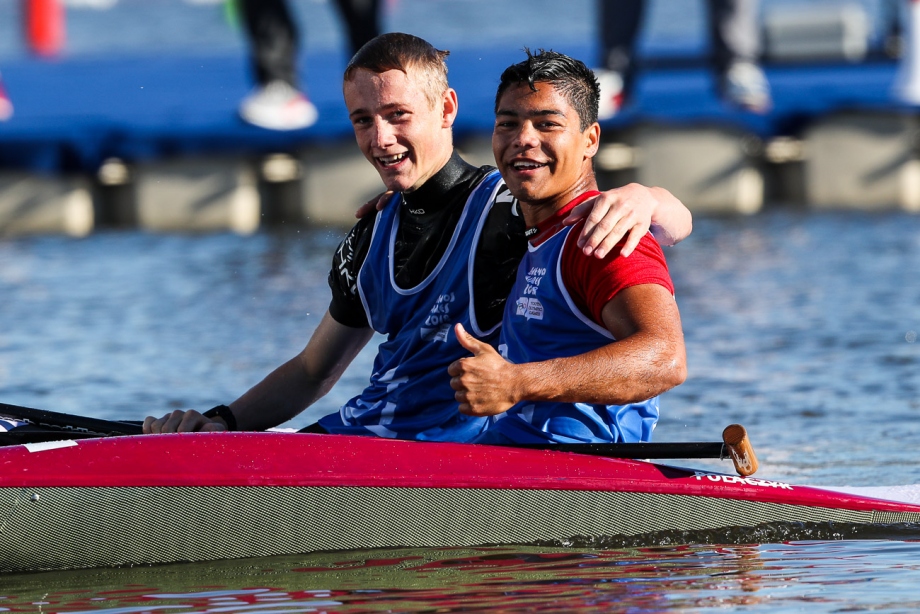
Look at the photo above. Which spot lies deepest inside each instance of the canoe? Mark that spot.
(206, 496)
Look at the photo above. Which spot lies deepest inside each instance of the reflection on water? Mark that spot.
(822, 576)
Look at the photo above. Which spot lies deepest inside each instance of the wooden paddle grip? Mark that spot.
(739, 446)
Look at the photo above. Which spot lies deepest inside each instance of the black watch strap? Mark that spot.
(223, 412)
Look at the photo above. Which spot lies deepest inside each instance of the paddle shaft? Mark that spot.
(43, 417)
(714, 449)
(734, 445)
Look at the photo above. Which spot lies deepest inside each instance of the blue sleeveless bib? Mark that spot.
(409, 396)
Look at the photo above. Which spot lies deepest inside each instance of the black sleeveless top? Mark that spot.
(427, 221)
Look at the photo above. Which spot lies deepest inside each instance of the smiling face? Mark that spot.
(540, 149)
(399, 130)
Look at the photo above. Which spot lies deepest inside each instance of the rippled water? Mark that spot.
(817, 576)
(801, 326)
(804, 328)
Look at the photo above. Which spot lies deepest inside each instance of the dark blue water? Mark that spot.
(804, 327)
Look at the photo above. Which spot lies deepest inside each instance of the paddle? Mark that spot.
(69, 422)
(735, 445)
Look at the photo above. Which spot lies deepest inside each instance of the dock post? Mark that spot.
(37, 204)
(280, 180)
(864, 161)
(115, 196)
(197, 195)
(711, 169)
(337, 180)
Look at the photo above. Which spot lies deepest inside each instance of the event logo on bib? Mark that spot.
(533, 278)
(529, 308)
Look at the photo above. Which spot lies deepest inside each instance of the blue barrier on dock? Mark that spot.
(71, 114)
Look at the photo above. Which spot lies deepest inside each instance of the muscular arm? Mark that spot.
(630, 211)
(286, 391)
(647, 359)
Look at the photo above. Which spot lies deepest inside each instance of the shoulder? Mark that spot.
(353, 249)
(593, 282)
(505, 215)
(358, 234)
(485, 180)
(647, 254)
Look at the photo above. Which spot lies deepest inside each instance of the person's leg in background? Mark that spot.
(6, 107)
(735, 36)
(620, 21)
(362, 21)
(276, 102)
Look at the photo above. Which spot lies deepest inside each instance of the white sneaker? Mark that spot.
(611, 100)
(6, 107)
(746, 86)
(278, 106)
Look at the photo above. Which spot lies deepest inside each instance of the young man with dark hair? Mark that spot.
(444, 251)
(586, 344)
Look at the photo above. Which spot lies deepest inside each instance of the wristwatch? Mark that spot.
(223, 412)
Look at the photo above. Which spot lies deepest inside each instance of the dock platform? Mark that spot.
(119, 137)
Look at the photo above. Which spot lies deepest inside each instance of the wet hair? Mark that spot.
(398, 51)
(569, 76)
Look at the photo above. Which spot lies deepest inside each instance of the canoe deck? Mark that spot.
(205, 496)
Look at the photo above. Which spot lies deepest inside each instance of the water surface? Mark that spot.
(801, 326)
(789, 577)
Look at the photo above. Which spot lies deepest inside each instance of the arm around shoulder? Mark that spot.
(672, 222)
(626, 214)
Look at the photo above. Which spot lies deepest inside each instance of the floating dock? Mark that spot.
(156, 142)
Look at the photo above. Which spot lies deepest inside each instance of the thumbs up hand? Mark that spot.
(484, 381)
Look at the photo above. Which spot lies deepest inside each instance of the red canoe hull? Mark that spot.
(129, 500)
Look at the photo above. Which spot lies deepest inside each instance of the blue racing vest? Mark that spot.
(541, 322)
(409, 396)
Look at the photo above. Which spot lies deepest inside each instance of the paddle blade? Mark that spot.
(70, 422)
